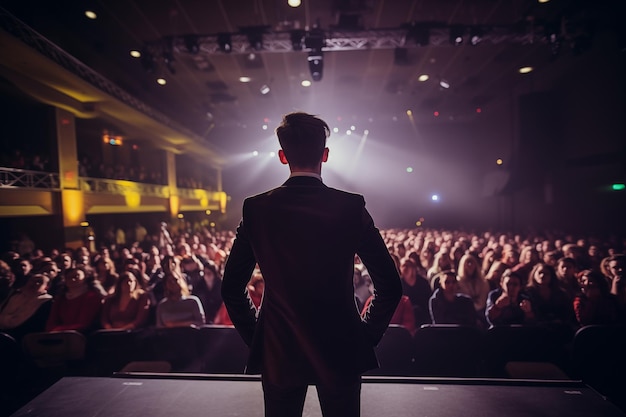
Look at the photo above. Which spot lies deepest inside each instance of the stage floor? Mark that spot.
(171, 395)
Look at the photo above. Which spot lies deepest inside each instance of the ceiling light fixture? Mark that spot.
(444, 84)
(315, 42)
(91, 14)
(191, 43)
(525, 70)
(225, 43)
(245, 79)
(476, 35)
(423, 77)
(419, 33)
(297, 39)
(456, 35)
(135, 53)
(305, 83)
(294, 3)
(161, 81)
(255, 36)
(265, 89)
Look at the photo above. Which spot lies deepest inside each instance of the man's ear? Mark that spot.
(282, 157)
(325, 155)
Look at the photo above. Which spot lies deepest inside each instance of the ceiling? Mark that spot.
(374, 80)
(373, 58)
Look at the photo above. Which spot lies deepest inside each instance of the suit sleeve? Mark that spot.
(237, 273)
(385, 277)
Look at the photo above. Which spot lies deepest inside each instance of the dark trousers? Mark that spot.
(342, 400)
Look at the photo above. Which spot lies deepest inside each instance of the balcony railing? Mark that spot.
(122, 187)
(22, 178)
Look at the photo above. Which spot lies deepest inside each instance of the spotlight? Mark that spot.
(225, 43)
(444, 84)
(476, 35)
(297, 39)
(265, 89)
(255, 36)
(420, 34)
(191, 43)
(168, 58)
(315, 40)
(456, 35)
(316, 64)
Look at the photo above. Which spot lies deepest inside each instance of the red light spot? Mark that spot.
(266, 120)
(65, 122)
(479, 110)
(436, 114)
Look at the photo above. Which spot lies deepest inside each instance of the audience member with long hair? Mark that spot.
(128, 307)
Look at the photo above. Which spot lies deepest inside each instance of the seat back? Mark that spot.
(447, 350)
(394, 352)
(108, 351)
(223, 350)
(599, 358)
(519, 343)
(54, 349)
(180, 346)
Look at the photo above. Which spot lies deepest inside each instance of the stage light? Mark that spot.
(434, 197)
(91, 14)
(168, 58)
(191, 43)
(297, 39)
(316, 64)
(618, 187)
(265, 89)
(476, 35)
(255, 36)
(135, 53)
(419, 33)
(161, 81)
(525, 70)
(444, 84)
(423, 77)
(305, 83)
(244, 79)
(294, 3)
(225, 43)
(456, 35)
(409, 169)
(499, 161)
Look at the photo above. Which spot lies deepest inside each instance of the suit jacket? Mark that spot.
(304, 235)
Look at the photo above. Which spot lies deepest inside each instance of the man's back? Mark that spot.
(304, 236)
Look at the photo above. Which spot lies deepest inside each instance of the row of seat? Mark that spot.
(594, 354)
(206, 349)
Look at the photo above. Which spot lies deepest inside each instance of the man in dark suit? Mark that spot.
(303, 235)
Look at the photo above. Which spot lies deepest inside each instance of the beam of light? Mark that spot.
(357, 155)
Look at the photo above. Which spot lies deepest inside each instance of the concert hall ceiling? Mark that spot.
(375, 54)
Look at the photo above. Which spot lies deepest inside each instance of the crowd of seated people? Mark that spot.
(174, 279)
(21, 159)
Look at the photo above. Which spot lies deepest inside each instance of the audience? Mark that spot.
(27, 309)
(78, 304)
(179, 308)
(509, 304)
(594, 304)
(128, 307)
(449, 306)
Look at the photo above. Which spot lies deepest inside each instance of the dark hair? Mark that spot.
(302, 138)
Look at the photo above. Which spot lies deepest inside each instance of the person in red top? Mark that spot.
(128, 308)
(77, 306)
(403, 315)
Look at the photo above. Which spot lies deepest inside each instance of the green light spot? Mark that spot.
(618, 187)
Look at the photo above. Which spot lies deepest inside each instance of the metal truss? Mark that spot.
(334, 40)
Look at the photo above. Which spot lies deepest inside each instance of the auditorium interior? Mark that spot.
(479, 116)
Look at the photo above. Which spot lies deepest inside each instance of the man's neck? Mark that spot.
(305, 174)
